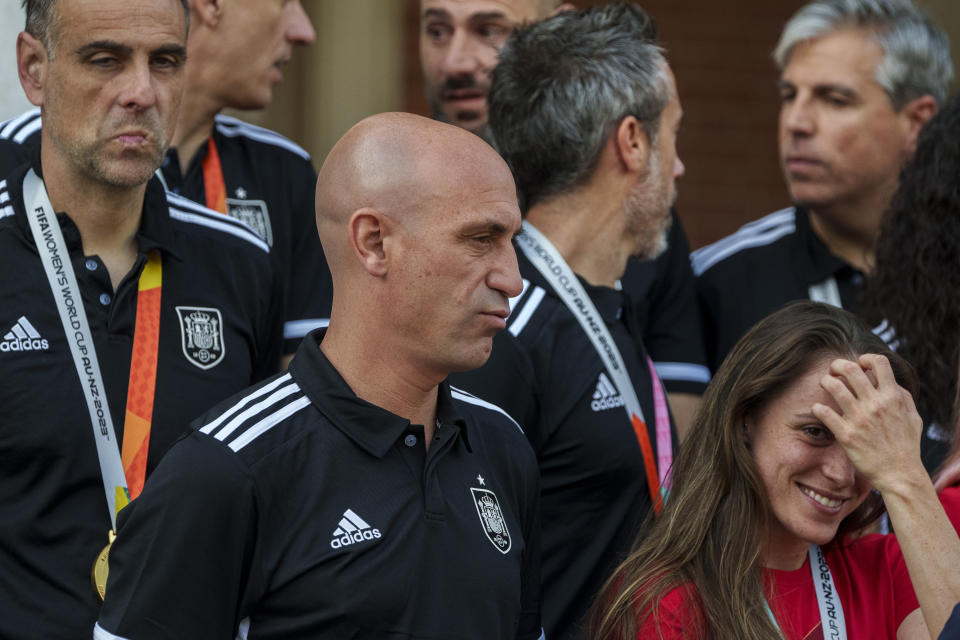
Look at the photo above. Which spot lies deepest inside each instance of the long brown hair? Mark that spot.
(709, 533)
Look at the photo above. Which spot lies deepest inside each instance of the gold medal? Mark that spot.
(100, 569)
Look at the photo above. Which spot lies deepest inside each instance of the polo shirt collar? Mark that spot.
(373, 428)
(156, 230)
(819, 263)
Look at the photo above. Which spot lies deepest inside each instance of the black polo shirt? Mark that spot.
(54, 516)
(545, 372)
(665, 297)
(270, 184)
(298, 510)
(765, 264)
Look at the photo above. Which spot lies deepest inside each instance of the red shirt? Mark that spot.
(869, 575)
(950, 499)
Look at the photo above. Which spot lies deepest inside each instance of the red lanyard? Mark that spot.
(215, 189)
(143, 376)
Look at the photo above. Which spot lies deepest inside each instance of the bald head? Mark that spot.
(416, 218)
(400, 165)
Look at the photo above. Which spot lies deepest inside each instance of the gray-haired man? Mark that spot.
(585, 111)
(859, 78)
(460, 42)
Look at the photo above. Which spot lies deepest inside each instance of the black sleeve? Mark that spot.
(12, 155)
(952, 629)
(666, 299)
(530, 627)
(181, 560)
(269, 330)
(310, 287)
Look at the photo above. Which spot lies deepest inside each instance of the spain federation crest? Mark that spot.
(254, 214)
(201, 333)
(491, 517)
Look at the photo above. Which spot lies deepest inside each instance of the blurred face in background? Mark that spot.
(840, 138)
(460, 42)
(260, 36)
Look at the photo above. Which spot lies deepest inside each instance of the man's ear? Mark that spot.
(368, 229)
(632, 145)
(31, 67)
(208, 12)
(915, 114)
(566, 6)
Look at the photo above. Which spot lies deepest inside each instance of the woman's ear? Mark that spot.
(747, 432)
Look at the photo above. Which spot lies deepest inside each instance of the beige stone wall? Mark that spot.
(354, 69)
(365, 61)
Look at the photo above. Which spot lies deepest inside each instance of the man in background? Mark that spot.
(127, 311)
(459, 45)
(858, 80)
(237, 50)
(595, 187)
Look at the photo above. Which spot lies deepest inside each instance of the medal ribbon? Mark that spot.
(216, 190)
(143, 375)
(561, 278)
(66, 292)
(832, 623)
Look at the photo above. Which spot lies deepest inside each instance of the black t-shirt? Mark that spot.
(764, 265)
(545, 372)
(54, 516)
(270, 185)
(298, 510)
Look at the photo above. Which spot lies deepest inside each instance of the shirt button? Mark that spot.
(410, 440)
(104, 299)
(91, 264)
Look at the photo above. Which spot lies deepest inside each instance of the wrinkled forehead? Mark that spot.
(514, 11)
(132, 23)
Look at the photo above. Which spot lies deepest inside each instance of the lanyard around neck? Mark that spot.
(118, 471)
(214, 188)
(832, 623)
(564, 282)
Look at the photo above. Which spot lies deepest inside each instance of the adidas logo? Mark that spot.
(23, 337)
(606, 396)
(352, 529)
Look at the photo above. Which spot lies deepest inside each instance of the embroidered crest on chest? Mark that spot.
(491, 518)
(254, 214)
(201, 335)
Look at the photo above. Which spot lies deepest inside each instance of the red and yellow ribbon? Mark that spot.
(143, 379)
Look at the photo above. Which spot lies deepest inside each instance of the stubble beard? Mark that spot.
(433, 94)
(123, 170)
(647, 209)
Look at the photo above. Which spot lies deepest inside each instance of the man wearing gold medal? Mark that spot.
(237, 50)
(359, 495)
(127, 311)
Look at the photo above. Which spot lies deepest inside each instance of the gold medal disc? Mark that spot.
(100, 570)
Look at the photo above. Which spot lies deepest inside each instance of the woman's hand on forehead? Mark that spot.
(877, 425)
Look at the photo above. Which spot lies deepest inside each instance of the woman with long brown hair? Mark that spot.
(804, 428)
